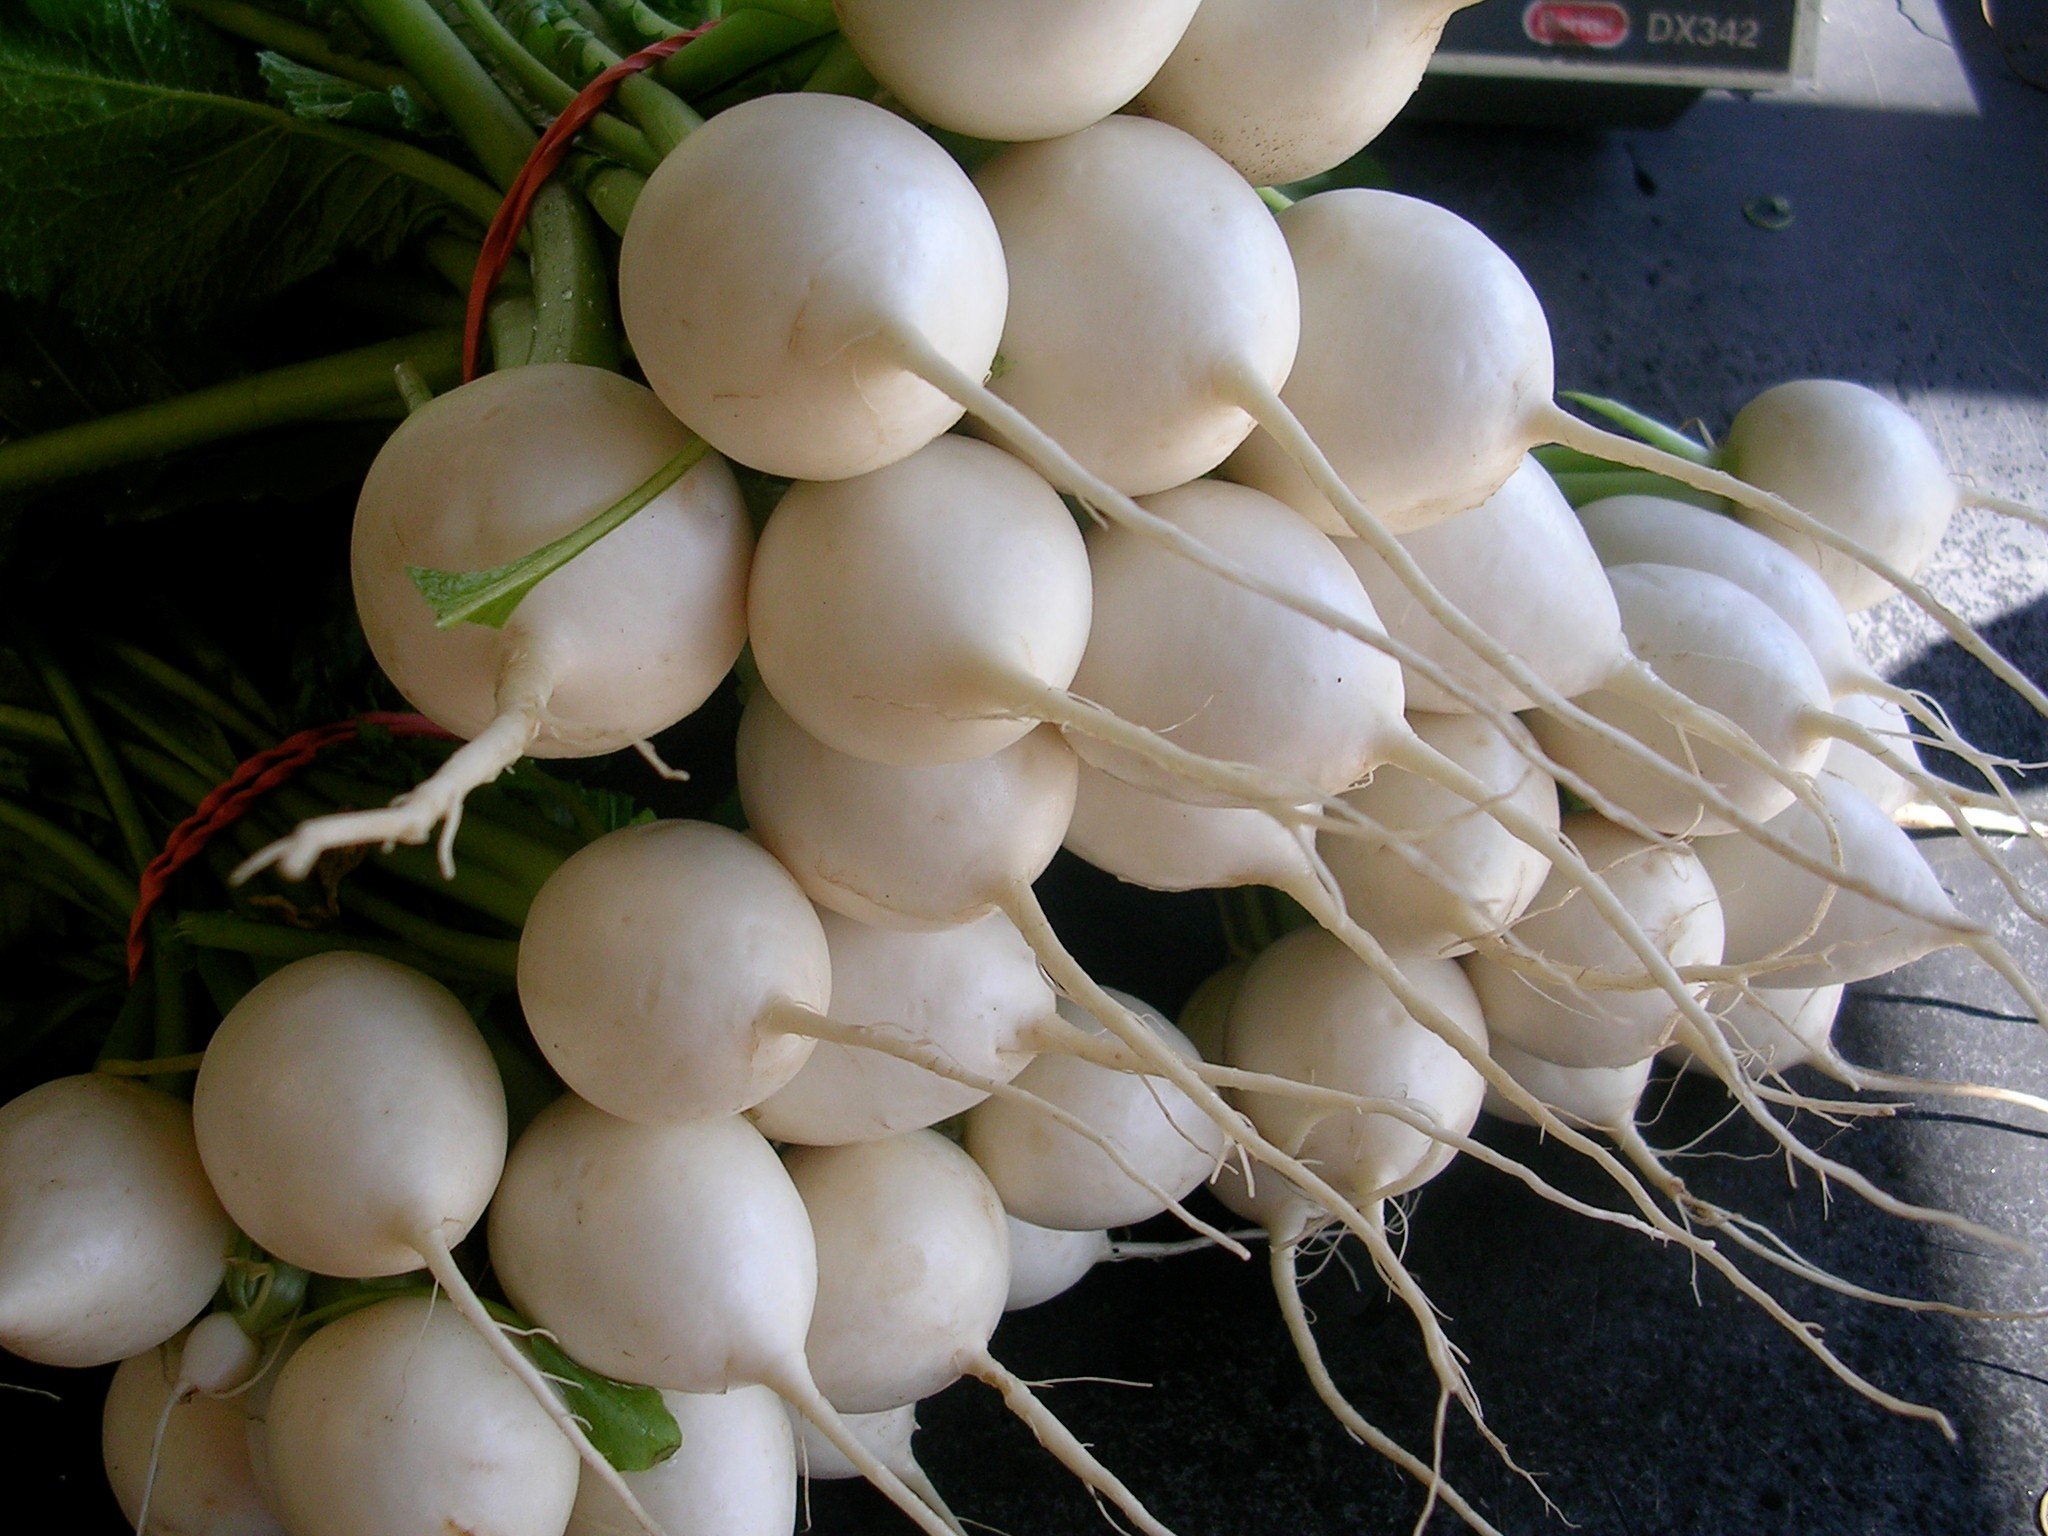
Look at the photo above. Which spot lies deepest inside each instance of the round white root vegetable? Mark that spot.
(1285, 92)
(1851, 458)
(1018, 69)
(1231, 677)
(1563, 625)
(1049, 1176)
(1422, 408)
(188, 1459)
(1597, 1097)
(913, 1266)
(887, 1435)
(1145, 275)
(1724, 649)
(1879, 768)
(917, 614)
(1665, 888)
(913, 1269)
(1046, 1262)
(735, 1473)
(782, 261)
(622, 642)
(1775, 1029)
(351, 1116)
(974, 993)
(1475, 866)
(600, 1225)
(1310, 1011)
(655, 964)
(399, 1420)
(1789, 929)
(111, 1239)
(903, 847)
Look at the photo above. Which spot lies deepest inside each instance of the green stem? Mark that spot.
(785, 72)
(94, 872)
(452, 77)
(551, 91)
(609, 189)
(234, 934)
(490, 597)
(1637, 424)
(842, 73)
(166, 740)
(154, 1066)
(38, 729)
(743, 41)
(477, 889)
(573, 318)
(298, 393)
(183, 685)
(1275, 199)
(812, 13)
(640, 24)
(494, 957)
(664, 117)
(1581, 486)
(91, 745)
(306, 44)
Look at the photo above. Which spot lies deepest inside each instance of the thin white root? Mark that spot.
(1557, 426)
(2004, 506)
(1957, 820)
(817, 1026)
(801, 1393)
(1122, 1253)
(1806, 1333)
(433, 1248)
(653, 759)
(1285, 1290)
(917, 1482)
(412, 817)
(1767, 1245)
(1946, 738)
(1920, 816)
(1060, 1441)
(1711, 1048)
(1868, 1079)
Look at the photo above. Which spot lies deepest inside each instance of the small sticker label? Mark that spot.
(1576, 23)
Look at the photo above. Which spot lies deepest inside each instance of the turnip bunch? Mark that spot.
(1213, 686)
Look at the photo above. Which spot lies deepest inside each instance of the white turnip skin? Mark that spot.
(1630, 529)
(1726, 650)
(399, 1421)
(1284, 92)
(111, 1239)
(1046, 1262)
(600, 1224)
(350, 1114)
(913, 1269)
(654, 966)
(1143, 273)
(1177, 649)
(1778, 1028)
(1597, 1097)
(912, 615)
(1047, 1175)
(775, 264)
(195, 1474)
(1422, 404)
(1475, 867)
(974, 993)
(1562, 625)
(1310, 1011)
(903, 847)
(1874, 774)
(618, 644)
(887, 1436)
(1671, 897)
(1789, 929)
(735, 1474)
(1013, 69)
(1854, 460)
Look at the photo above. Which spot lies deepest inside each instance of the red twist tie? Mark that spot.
(546, 157)
(232, 799)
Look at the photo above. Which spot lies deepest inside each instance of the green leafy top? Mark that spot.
(144, 182)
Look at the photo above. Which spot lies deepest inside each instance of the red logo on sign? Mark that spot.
(1576, 23)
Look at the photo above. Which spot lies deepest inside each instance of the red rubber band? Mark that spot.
(233, 797)
(548, 154)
